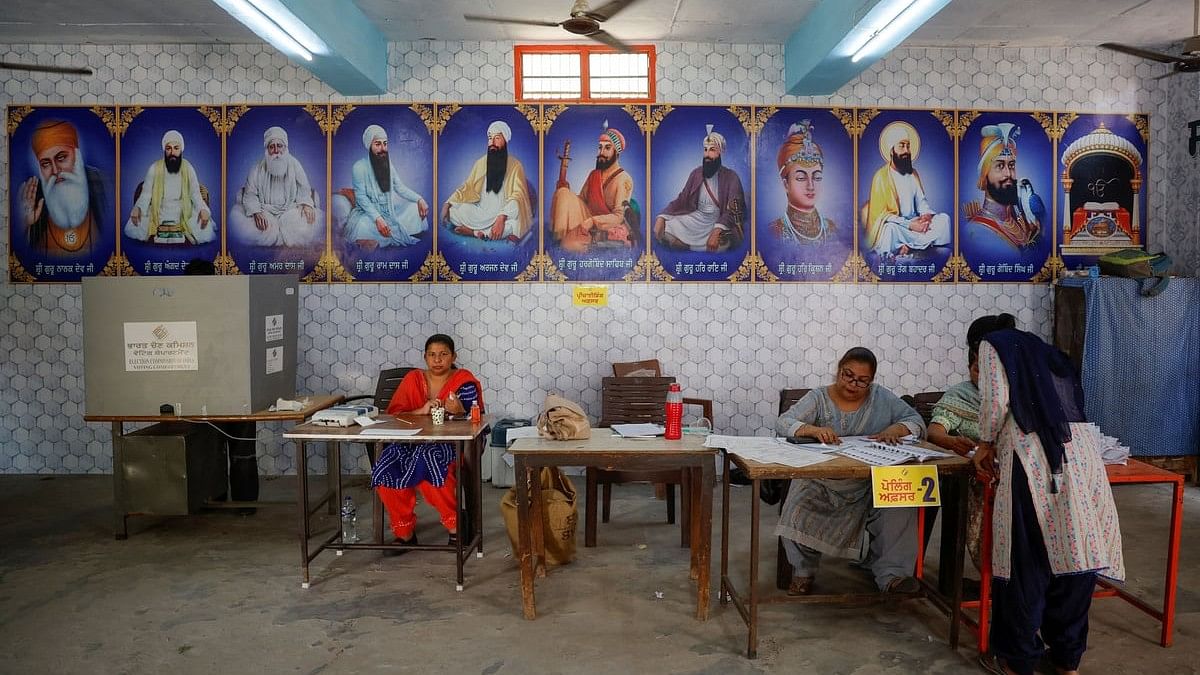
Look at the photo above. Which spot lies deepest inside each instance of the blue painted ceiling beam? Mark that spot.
(348, 52)
(820, 56)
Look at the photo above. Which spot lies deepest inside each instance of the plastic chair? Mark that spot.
(626, 400)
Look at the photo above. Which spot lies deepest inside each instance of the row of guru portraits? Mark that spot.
(399, 192)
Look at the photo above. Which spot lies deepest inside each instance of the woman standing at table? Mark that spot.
(954, 424)
(832, 515)
(405, 468)
(1055, 525)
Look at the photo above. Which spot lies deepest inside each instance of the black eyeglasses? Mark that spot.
(860, 382)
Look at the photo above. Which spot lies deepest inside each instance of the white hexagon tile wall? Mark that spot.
(736, 344)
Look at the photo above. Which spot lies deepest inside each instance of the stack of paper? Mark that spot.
(638, 430)
(882, 454)
(390, 431)
(1112, 451)
(766, 450)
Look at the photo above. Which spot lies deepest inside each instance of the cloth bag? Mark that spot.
(1151, 268)
(560, 515)
(563, 420)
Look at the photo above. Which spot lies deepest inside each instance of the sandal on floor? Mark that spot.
(800, 586)
(393, 552)
(991, 663)
(903, 585)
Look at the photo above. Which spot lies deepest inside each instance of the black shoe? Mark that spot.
(393, 552)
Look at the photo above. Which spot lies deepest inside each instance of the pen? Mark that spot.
(401, 419)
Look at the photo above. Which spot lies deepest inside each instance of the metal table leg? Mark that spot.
(302, 505)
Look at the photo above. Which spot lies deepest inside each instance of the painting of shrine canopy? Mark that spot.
(1101, 181)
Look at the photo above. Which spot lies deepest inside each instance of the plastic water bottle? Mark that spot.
(674, 426)
(349, 521)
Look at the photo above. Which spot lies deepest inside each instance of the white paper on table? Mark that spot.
(372, 431)
(638, 430)
(744, 442)
(767, 450)
(514, 433)
(364, 421)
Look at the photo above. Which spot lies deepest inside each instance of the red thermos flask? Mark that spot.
(674, 426)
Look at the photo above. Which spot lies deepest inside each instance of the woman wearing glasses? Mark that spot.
(832, 516)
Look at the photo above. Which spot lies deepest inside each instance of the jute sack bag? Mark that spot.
(560, 515)
(563, 420)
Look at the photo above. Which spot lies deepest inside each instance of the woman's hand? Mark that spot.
(961, 445)
(424, 410)
(823, 434)
(453, 405)
(891, 435)
(985, 460)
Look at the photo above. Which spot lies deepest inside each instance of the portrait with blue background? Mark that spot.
(141, 154)
(299, 247)
(1005, 186)
(1104, 158)
(804, 201)
(677, 150)
(467, 238)
(407, 168)
(903, 246)
(578, 250)
(79, 165)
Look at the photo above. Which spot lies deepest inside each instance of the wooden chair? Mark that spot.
(923, 403)
(631, 400)
(783, 568)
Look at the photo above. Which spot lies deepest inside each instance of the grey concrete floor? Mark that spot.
(219, 592)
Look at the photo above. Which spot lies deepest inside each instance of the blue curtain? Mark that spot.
(1141, 364)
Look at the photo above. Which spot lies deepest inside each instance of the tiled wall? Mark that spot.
(736, 344)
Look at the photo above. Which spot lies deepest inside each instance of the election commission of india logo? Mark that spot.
(160, 332)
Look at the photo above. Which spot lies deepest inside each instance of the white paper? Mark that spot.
(375, 431)
(509, 459)
(274, 327)
(514, 433)
(274, 360)
(364, 421)
(160, 346)
(636, 430)
(767, 450)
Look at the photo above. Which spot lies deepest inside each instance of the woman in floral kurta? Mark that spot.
(1052, 533)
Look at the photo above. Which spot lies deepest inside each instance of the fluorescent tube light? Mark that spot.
(897, 20)
(272, 22)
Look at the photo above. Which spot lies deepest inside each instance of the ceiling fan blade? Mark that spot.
(1138, 51)
(608, 39)
(65, 70)
(500, 19)
(609, 9)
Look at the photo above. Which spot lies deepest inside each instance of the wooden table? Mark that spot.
(956, 468)
(606, 451)
(1132, 473)
(311, 405)
(469, 440)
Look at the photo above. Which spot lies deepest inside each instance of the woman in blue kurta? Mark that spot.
(834, 516)
(405, 468)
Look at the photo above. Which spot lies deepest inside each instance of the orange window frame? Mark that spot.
(584, 52)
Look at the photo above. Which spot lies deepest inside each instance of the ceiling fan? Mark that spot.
(1188, 62)
(583, 21)
(66, 70)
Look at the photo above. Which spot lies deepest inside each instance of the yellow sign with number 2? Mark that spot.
(905, 486)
